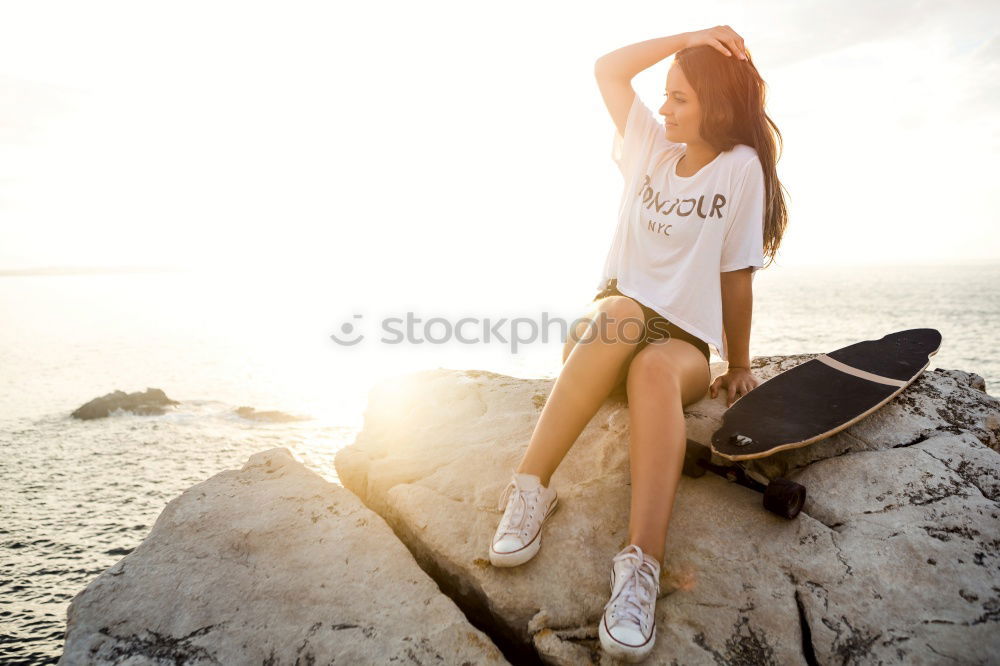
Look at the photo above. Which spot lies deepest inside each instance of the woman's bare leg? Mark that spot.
(663, 378)
(591, 368)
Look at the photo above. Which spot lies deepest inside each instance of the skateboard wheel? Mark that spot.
(784, 498)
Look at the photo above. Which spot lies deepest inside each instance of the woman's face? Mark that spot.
(681, 112)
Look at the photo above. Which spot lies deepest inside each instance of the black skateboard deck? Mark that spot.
(808, 403)
(824, 395)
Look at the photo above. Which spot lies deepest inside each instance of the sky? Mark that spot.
(394, 150)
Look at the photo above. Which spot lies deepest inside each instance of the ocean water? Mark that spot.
(77, 496)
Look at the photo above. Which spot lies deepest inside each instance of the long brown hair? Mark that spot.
(731, 94)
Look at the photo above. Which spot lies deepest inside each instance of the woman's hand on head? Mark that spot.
(721, 37)
(737, 382)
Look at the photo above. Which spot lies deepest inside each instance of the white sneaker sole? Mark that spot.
(528, 551)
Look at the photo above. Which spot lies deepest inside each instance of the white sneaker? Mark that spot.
(628, 626)
(519, 534)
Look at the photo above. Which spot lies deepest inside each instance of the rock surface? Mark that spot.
(269, 564)
(894, 559)
(152, 401)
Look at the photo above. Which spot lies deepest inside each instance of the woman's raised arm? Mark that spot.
(615, 70)
(626, 62)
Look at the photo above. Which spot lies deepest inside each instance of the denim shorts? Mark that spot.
(656, 326)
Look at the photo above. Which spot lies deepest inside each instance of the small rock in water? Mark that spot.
(270, 416)
(151, 402)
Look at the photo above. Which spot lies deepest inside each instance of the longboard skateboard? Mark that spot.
(809, 403)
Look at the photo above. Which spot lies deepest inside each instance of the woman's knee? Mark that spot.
(672, 365)
(652, 366)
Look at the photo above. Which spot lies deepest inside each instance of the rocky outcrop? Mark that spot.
(269, 564)
(152, 401)
(894, 559)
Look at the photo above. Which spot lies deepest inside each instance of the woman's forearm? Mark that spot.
(737, 312)
(629, 60)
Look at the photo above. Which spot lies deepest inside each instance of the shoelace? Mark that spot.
(639, 590)
(517, 517)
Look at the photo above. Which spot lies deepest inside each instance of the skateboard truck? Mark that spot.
(782, 497)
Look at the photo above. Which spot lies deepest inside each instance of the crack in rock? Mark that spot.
(808, 650)
(840, 556)
(940, 654)
(923, 436)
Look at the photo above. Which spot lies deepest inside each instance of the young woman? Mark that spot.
(702, 206)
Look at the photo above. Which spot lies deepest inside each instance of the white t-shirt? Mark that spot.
(676, 234)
